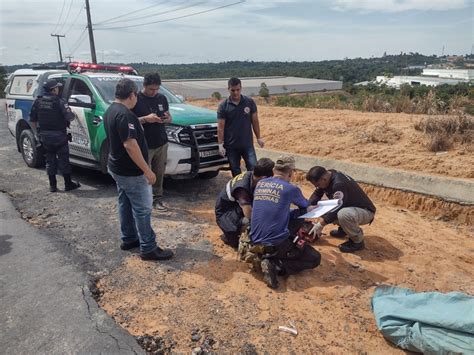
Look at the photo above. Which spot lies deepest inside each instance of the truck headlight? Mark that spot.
(178, 134)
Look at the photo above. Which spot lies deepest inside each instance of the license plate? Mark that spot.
(208, 153)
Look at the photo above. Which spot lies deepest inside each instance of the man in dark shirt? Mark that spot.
(356, 208)
(269, 225)
(236, 117)
(234, 204)
(152, 110)
(52, 114)
(128, 166)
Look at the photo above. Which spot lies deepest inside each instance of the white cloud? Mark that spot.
(398, 5)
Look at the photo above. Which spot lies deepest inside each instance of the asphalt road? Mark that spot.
(82, 228)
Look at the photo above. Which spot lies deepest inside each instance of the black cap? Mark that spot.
(50, 84)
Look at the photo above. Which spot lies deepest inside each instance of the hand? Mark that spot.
(260, 142)
(221, 149)
(317, 230)
(152, 118)
(166, 118)
(150, 176)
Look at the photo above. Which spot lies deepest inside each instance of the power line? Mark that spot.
(60, 15)
(129, 13)
(173, 18)
(67, 16)
(157, 13)
(78, 42)
(75, 20)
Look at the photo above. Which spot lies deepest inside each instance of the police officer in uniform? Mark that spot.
(356, 208)
(52, 116)
(234, 204)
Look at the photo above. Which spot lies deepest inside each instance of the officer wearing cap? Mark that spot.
(271, 215)
(50, 116)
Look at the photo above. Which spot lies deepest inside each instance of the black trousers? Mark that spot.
(292, 259)
(56, 147)
(230, 222)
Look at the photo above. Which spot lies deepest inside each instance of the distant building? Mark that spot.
(430, 77)
(204, 88)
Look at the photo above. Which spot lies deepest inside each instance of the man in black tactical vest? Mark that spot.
(51, 114)
(234, 204)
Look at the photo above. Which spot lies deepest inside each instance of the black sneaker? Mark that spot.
(157, 254)
(232, 242)
(159, 206)
(130, 245)
(72, 186)
(337, 233)
(350, 246)
(269, 273)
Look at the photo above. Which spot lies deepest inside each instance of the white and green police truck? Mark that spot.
(89, 90)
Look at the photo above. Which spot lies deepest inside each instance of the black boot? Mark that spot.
(350, 246)
(53, 184)
(269, 273)
(69, 184)
(338, 233)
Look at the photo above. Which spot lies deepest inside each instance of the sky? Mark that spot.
(199, 31)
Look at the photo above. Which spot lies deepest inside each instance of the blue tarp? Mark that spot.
(428, 322)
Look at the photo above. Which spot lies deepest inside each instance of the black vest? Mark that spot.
(50, 116)
(243, 181)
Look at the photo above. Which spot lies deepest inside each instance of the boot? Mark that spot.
(350, 246)
(69, 184)
(338, 233)
(157, 254)
(53, 184)
(269, 273)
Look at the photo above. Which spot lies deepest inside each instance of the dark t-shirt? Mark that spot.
(155, 133)
(121, 124)
(272, 199)
(346, 189)
(238, 122)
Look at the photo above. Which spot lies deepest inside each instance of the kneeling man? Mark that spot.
(234, 204)
(269, 225)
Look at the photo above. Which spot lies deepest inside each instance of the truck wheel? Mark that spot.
(32, 153)
(208, 174)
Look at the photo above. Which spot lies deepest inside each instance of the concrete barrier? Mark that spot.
(448, 189)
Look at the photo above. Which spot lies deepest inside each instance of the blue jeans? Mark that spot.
(134, 208)
(235, 154)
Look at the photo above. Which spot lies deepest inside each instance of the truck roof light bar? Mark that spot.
(78, 67)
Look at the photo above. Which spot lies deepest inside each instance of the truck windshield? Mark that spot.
(106, 87)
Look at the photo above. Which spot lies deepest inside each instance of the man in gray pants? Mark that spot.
(356, 208)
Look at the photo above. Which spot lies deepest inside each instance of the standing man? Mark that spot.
(128, 166)
(152, 110)
(269, 226)
(356, 207)
(51, 114)
(236, 117)
(234, 204)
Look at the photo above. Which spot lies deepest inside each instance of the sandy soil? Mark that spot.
(383, 139)
(228, 309)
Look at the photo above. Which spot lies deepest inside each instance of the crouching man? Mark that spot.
(234, 204)
(356, 208)
(269, 225)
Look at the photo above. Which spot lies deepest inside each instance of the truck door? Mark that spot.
(81, 100)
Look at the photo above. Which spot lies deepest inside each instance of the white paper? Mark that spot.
(322, 208)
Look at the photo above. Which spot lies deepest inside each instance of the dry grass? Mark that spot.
(381, 133)
(440, 143)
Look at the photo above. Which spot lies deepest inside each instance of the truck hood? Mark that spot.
(184, 114)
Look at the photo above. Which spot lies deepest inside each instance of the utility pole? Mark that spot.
(59, 45)
(91, 34)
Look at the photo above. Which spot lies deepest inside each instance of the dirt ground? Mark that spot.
(382, 139)
(219, 305)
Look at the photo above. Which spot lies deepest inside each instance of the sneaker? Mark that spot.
(157, 254)
(159, 206)
(269, 273)
(350, 246)
(337, 233)
(234, 243)
(130, 245)
(71, 186)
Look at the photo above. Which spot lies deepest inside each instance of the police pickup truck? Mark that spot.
(89, 89)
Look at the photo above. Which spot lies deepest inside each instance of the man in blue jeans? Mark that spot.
(128, 166)
(236, 118)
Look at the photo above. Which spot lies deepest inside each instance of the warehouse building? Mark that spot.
(204, 88)
(430, 77)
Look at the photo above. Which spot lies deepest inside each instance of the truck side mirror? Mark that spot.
(81, 100)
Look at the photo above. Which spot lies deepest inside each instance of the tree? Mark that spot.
(216, 95)
(264, 92)
(3, 81)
